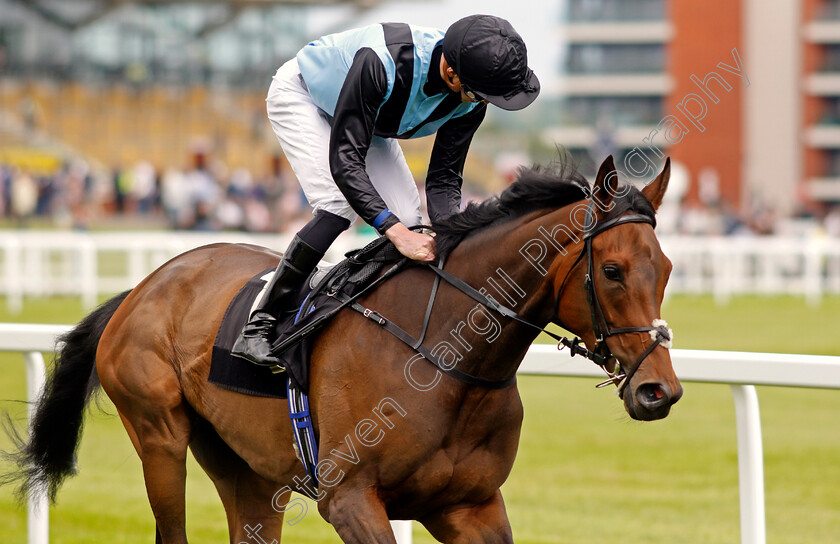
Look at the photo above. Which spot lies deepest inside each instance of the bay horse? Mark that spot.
(398, 438)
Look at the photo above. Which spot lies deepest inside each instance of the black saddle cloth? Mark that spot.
(346, 278)
(234, 373)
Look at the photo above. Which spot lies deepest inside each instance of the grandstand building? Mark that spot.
(630, 64)
(117, 82)
(160, 80)
(820, 118)
(614, 80)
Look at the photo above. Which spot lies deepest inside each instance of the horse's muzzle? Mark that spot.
(651, 400)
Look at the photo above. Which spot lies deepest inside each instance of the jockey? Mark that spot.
(337, 108)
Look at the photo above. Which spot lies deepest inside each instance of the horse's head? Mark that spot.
(612, 293)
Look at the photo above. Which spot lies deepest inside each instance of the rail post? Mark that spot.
(38, 506)
(750, 464)
(402, 531)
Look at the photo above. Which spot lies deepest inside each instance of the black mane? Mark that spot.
(536, 188)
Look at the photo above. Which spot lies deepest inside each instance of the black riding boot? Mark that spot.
(301, 258)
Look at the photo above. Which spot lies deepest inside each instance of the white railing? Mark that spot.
(38, 263)
(765, 265)
(741, 370)
(33, 340)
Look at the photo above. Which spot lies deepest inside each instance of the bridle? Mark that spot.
(602, 355)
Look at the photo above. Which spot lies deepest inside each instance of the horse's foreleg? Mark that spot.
(359, 517)
(254, 513)
(485, 523)
(254, 506)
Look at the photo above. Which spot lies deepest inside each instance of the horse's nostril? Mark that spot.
(652, 395)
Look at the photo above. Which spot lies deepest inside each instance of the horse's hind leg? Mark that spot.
(253, 512)
(148, 397)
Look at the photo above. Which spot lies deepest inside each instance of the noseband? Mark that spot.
(602, 355)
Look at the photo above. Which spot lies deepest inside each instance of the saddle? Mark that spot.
(325, 292)
(328, 291)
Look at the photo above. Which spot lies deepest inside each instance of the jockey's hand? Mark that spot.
(414, 245)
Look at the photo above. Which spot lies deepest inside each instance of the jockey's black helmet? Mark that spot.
(491, 61)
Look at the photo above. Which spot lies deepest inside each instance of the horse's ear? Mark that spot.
(655, 190)
(606, 182)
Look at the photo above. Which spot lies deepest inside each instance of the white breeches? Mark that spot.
(304, 134)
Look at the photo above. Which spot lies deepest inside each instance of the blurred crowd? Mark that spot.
(719, 219)
(205, 196)
(209, 197)
(709, 213)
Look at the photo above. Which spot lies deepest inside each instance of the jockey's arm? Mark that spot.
(446, 165)
(361, 96)
(358, 103)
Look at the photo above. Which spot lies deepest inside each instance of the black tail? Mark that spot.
(49, 455)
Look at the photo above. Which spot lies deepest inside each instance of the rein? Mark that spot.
(601, 355)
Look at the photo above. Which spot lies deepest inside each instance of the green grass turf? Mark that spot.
(585, 472)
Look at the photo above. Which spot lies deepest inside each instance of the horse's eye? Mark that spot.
(613, 273)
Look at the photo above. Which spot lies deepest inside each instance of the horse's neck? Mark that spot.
(515, 264)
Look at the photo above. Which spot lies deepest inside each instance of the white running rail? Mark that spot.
(741, 370)
(44, 263)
